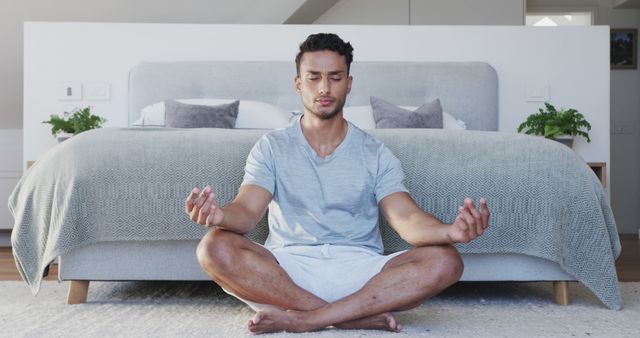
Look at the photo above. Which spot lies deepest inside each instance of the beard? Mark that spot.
(326, 115)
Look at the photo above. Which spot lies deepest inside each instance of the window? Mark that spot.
(542, 19)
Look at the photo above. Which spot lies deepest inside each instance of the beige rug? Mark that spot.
(187, 309)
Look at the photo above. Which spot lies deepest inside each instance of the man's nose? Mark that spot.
(325, 87)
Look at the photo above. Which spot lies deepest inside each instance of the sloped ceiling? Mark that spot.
(273, 11)
(310, 11)
(626, 3)
(262, 12)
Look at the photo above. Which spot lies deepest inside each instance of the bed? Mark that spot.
(81, 201)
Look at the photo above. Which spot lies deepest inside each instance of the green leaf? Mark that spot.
(75, 122)
(552, 123)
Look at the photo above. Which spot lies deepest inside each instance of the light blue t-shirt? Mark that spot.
(330, 200)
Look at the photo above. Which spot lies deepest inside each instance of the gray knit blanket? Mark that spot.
(130, 185)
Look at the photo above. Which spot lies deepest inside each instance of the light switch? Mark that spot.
(97, 91)
(69, 91)
(538, 93)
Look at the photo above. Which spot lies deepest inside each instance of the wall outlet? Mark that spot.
(538, 93)
(97, 91)
(69, 91)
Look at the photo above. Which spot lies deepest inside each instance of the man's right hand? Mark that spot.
(202, 207)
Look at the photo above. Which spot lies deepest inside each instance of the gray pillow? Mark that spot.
(388, 115)
(183, 115)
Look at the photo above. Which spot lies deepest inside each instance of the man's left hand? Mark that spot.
(470, 222)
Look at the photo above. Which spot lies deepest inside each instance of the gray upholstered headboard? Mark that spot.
(467, 90)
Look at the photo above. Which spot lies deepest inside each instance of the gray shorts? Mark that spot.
(330, 272)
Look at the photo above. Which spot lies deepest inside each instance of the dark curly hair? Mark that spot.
(325, 41)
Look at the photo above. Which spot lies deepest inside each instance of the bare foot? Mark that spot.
(383, 321)
(276, 320)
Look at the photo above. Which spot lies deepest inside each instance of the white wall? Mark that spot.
(625, 112)
(14, 13)
(425, 12)
(578, 77)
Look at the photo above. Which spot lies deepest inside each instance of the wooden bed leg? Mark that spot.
(561, 292)
(78, 290)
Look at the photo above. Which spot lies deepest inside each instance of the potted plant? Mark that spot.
(560, 125)
(74, 122)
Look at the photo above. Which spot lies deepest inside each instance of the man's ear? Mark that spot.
(349, 81)
(297, 83)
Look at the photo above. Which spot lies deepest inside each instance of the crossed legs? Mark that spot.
(251, 272)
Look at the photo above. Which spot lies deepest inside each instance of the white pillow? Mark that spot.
(151, 115)
(251, 114)
(362, 117)
(451, 123)
(261, 115)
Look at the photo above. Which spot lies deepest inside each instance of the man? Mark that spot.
(323, 180)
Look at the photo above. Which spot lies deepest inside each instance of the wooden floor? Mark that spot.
(628, 264)
(8, 270)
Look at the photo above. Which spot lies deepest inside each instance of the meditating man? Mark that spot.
(323, 181)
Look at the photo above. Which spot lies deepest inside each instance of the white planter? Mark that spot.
(63, 136)
(566, 140)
